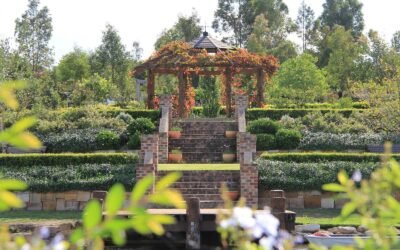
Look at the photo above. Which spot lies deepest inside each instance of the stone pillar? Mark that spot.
(278, 209)
(241, 104)
(249, 179)
(165, 125)
(245, 142)
(148, 158)
(150, 89)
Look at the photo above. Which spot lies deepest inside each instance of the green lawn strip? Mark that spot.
(329, 218)
(39, 216)
(198, 167)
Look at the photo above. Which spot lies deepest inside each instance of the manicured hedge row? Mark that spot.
(307, 176)
(65, 160)
(324, 157)
(276, 114)
(66, 177)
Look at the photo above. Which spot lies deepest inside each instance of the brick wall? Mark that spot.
(61, 201)
(307, 199)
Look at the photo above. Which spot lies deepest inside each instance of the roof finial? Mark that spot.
(205, 33)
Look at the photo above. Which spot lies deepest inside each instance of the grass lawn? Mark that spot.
(197, 166)
(328, 217)
(39, 216)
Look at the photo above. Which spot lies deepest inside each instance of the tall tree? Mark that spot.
(396, 41)
(346, 13)
(111, 61)
(187, 28)
(305, 25)
(229, 18)
(33, 33)
(137, 51)
(345, 52)
(237, 17)
(73, 66)
(263, 41)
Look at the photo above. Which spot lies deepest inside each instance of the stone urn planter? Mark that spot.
(230, 134)
(228, 157)
(175, 133)
(175, 156)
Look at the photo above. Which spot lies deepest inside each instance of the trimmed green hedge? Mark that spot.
(324, 157)
(65, 177)
(276, 114)
(16, 160)
(307, 176)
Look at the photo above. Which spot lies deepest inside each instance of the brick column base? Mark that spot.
(249, 183)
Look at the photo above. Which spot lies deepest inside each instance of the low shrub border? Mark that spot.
(276, 114)
(324, 157)
(66, 177)
(15, 160)
(306, 176)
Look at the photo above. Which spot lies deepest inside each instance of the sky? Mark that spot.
(81, 22)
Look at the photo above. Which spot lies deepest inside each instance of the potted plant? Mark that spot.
(229, 156)
(230, 134)
(175, 155)
(233, 192)
(175, 133)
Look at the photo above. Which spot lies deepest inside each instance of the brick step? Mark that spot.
(204, 137)
(203, 204)
(202, 185)
(199, 191)
(203, 197)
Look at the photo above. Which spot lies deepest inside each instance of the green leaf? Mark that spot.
(333, 187)
(77, 235)
(348, 209)
(115, 199)
(92, 214)
(141, 187)
(118, 237)
(167, 181)
(169, 197)
(342, 177)
(10, 184)
(10, 199)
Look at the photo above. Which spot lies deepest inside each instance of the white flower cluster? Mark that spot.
(260, 225)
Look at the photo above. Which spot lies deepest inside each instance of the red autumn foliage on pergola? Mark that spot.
(182, 59)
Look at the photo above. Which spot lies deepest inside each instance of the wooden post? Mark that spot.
(193, 224)
(228, 91)
(182, 93)
(260, 88)
(150, 89)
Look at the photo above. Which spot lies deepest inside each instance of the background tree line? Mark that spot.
(336, 54)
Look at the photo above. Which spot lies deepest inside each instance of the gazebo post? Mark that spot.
(228, 91)
(150, 89)
(260, 87)
(182, 77)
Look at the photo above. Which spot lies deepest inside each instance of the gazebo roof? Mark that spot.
(209, 43)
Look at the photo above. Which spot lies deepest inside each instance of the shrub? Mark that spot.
(294, 176)
(16, 160)
(325, 157)
(82, 140)
(134, 141)
(107, 140)
(209, 96)
(266, 142)
(66, 176)
(339, 142)
(287, 139)
(276, 114)
(263, 126)
(141, 126)
(127, 118)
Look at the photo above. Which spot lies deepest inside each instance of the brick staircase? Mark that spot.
(205, 185)
(203, 140)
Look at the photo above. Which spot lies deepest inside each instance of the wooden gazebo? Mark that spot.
(206, 56)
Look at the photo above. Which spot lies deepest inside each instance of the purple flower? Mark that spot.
(44, 233)
(357, 176)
